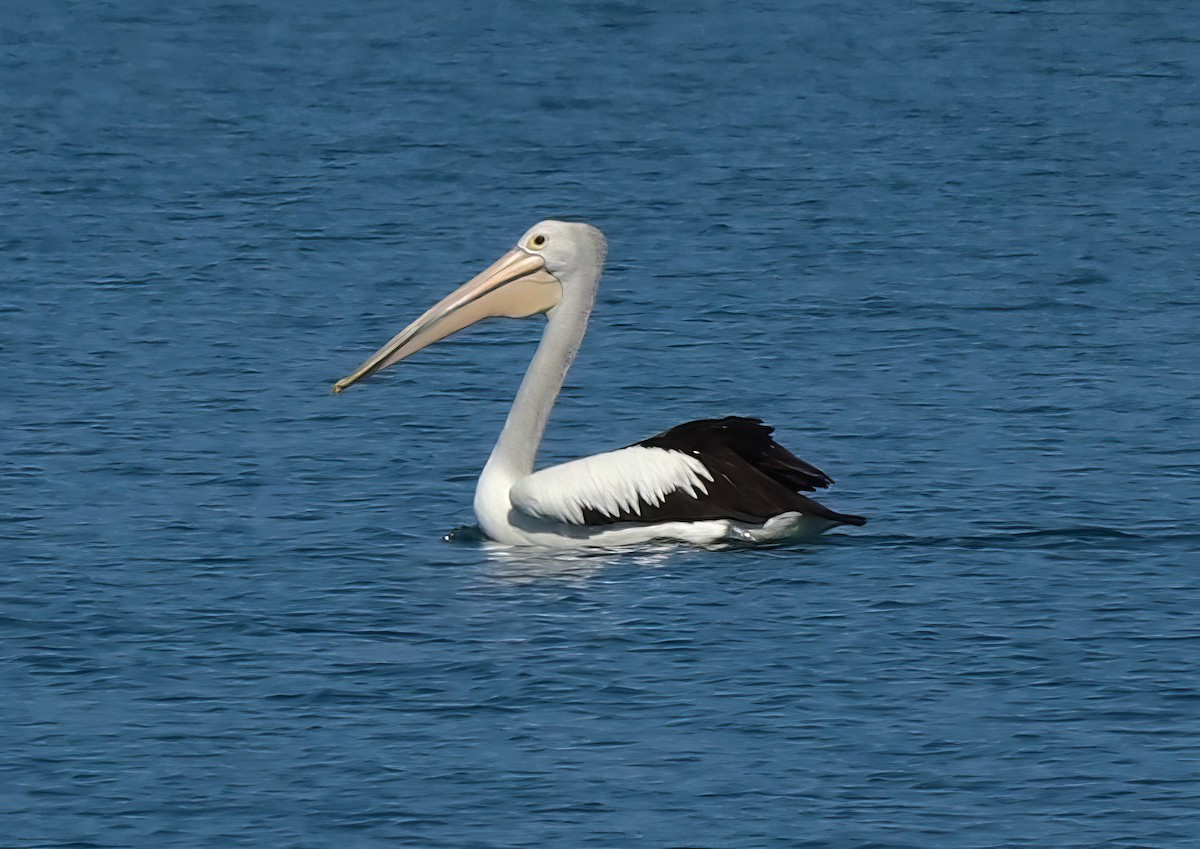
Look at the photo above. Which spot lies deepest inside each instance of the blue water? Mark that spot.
(949, 249)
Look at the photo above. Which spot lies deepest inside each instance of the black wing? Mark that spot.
(754, 477)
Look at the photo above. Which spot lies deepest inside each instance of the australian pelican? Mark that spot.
(703, 482)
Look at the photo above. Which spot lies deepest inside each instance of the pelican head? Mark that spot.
(551, 260)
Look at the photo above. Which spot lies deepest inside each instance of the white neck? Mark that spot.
(516, 449)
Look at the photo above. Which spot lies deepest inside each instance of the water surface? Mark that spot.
(948, 249)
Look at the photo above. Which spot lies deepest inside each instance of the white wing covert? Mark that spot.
(615, 482)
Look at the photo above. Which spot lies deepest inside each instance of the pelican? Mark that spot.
(703, 482)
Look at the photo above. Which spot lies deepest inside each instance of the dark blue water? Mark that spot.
(949, 249)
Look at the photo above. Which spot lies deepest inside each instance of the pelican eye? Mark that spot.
(538, 241)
